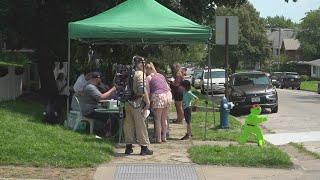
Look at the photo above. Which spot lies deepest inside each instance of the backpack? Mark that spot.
(52, 113)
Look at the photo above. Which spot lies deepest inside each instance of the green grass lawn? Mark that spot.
(202, 98)
(247, 156)
(25, 140)
(213, 124)
(309, 85)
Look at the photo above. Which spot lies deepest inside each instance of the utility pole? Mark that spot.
(279, 49)
(226, 60)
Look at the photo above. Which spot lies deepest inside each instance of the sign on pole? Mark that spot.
(221, 30)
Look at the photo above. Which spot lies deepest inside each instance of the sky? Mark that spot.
(294, 11)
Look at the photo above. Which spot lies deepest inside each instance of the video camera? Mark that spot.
(123, 81)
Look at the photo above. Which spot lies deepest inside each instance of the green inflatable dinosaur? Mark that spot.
(251, 126)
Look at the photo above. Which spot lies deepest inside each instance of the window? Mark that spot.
(215, 74)
(314, 70)
(251, 79)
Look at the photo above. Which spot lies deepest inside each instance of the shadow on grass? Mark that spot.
(32, 109)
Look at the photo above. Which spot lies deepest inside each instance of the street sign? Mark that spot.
(221, 30)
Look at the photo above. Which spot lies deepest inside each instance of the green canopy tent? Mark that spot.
(138, 22)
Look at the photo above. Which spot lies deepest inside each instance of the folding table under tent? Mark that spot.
(138, 22)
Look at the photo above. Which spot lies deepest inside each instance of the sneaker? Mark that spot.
(185, 137)
(129, 149)
(145, 151)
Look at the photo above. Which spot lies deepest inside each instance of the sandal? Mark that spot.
(185, 137)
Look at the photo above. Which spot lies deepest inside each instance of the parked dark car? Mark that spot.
(290, 79)
(247, 89)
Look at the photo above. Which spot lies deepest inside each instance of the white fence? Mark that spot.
(10, 85)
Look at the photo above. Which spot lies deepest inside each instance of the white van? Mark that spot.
(216, 83)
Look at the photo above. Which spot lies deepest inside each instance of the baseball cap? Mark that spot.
(95, 75)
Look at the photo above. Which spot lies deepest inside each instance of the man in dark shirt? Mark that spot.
(90, 99)
(92, 96)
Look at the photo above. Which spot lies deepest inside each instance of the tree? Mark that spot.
(42, 25)
(279, 22)
(253, 44)
(309, 35)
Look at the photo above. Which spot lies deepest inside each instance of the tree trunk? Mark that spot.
(48, 83)
(234, 66)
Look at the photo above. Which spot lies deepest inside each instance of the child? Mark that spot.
(188, 98)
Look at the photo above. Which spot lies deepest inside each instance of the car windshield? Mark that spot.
(292, 74)
(215, 74)
(276, 74)
(197, 73)
(253, 79)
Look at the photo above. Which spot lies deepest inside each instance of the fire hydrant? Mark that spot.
(225, 108)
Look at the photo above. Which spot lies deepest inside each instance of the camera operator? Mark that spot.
(91, 97)
(134, 123)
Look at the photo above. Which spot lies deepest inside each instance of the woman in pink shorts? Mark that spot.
(160, 98)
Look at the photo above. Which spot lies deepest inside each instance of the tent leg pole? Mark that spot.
(207, 97)
(210, 66)
(68, 83)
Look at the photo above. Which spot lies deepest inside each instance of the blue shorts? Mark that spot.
(187, 114)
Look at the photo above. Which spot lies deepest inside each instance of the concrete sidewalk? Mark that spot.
(285, 138)
(195, 172)
(313, 146)
(310, 140)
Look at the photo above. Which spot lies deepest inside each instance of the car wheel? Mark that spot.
(281, 87)
(235, 112)
(274, 110)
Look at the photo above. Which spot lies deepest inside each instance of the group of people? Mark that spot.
(152, 92)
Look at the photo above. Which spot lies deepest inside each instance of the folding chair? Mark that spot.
(76, 110)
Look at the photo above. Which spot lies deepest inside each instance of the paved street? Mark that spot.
(298, 119)
(299, 111)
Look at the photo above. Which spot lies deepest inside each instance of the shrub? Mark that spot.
(304, 78)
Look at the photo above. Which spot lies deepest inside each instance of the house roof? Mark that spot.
(315, 62)
(273, 36)
(291, 44)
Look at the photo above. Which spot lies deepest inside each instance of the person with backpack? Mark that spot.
(135, 129)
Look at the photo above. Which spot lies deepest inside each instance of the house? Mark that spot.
(290, 48)
(315, 68)
(275, 38)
